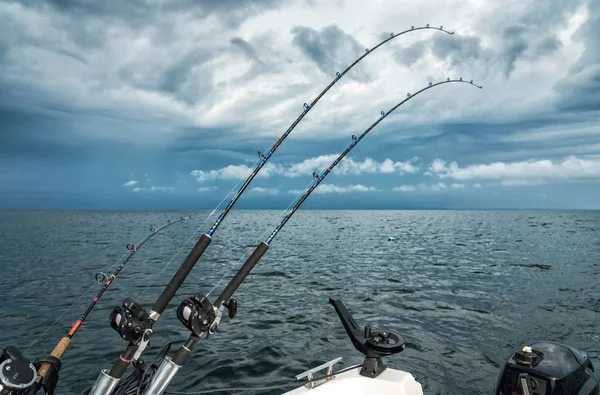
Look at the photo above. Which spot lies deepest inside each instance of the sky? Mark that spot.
(156, 104)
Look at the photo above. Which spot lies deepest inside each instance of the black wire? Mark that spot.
(272, 387)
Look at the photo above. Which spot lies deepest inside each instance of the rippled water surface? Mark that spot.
(464, 287)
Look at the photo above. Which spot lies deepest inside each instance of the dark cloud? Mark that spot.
(548, 45)
(180, 80)
(330, 48)
(520, 41)
(514, 46)
(458, 49)
(100, 92)
(246, 47)
(548, 14)
(529, 35)
(411, 54)
(589, 35)
(580, 89)
(517, 41)
(144, 12)
(514, 31)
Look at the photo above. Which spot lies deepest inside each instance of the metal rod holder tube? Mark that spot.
(105, 384)
(161, 380)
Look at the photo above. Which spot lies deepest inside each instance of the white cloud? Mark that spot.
(153, 189)
(269, 191)
(347, 166)
(523, 183)
(477, 185)
(439, 186)
(532, 172)
(331, 188)
(437, 166)
(130, 183)
(404, 188)
(229, 172)
(434, 187)
(207, 189)
(307, 166)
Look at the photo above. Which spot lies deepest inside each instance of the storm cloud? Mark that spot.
(96, 95)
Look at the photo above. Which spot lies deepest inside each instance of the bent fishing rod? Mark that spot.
(139, 341)
(49, 366)
(201, 316)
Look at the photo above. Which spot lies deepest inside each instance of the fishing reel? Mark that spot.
(130, 320)
(17, 374)
(197, 314)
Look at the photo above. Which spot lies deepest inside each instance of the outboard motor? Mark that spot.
(548, 368)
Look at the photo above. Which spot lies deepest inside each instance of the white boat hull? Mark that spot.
(391, 381)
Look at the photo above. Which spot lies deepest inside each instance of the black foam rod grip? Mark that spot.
(121, 364)
(179, 277)
(241, 275)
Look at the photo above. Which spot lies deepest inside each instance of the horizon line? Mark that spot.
(312, 209)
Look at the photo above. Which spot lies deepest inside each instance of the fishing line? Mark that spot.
(180, 248)
(201, 316)
(59, 318)
(194, 234)
(50, 365)
(232, 266)
(138, 340)
(133, 383)
(317, 179)
(100, 277)
(78, 299)
(190, 238)
(263, 158)
(307, 107)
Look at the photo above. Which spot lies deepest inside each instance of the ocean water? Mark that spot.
(465, 288)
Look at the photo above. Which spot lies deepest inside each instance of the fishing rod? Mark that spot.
(201, 317)
(49, 366)
(138, 341)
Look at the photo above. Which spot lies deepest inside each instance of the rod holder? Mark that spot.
(105, 384)
(161, 380)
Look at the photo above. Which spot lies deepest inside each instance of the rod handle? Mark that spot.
(58, 352)
(242, 273)
(186, 267)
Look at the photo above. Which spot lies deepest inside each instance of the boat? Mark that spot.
(544, 368)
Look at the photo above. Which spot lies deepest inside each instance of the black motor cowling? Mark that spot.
(548, 368)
